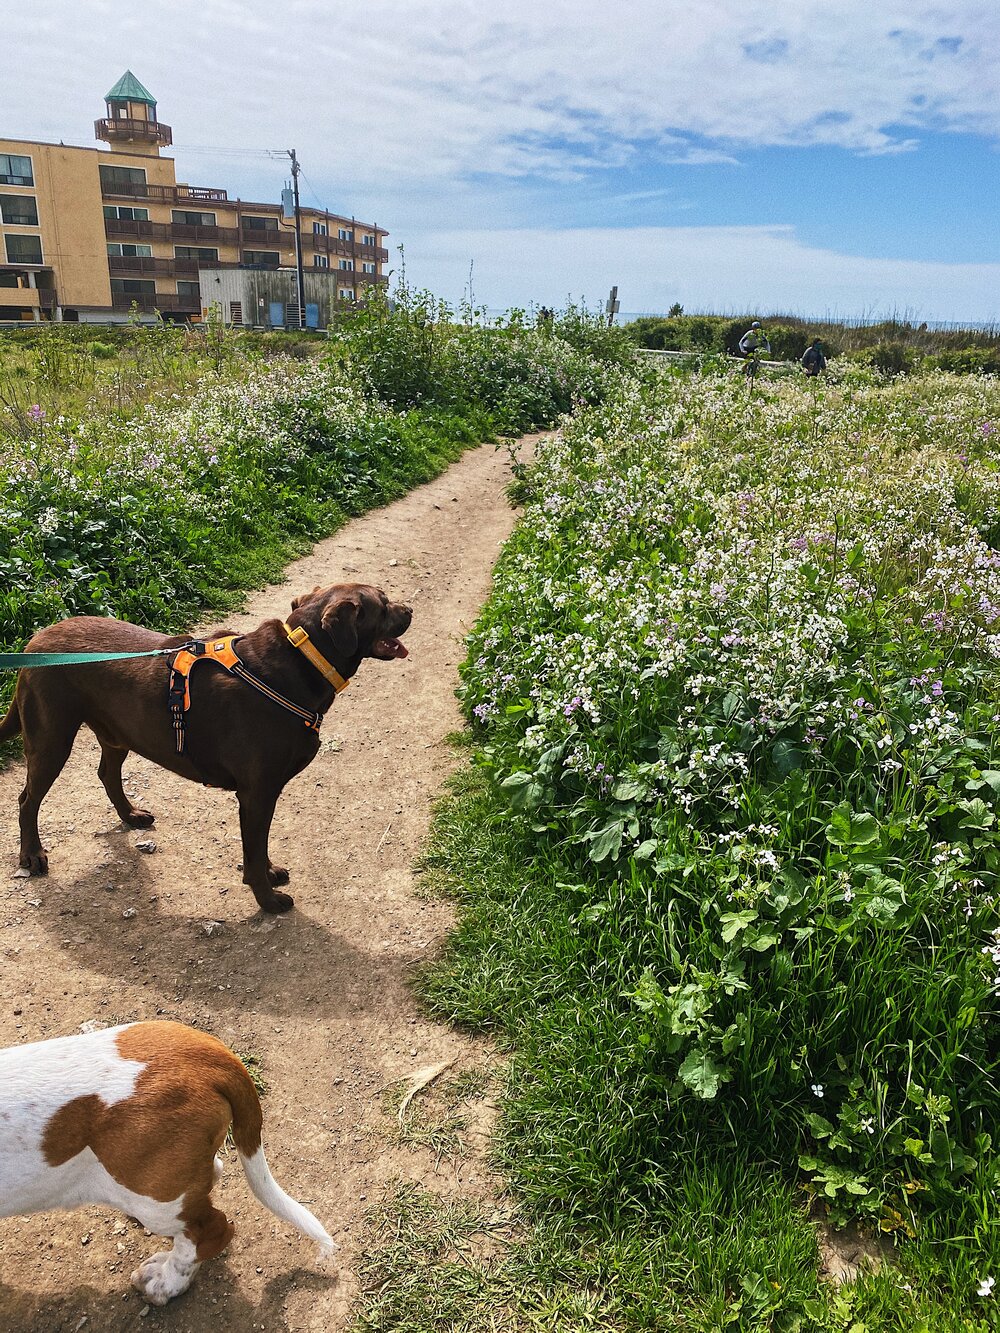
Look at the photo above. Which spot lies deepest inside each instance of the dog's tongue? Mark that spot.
(394, 648)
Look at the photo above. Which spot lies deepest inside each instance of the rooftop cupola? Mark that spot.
(131, 124)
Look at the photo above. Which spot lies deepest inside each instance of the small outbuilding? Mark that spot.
(267, 298)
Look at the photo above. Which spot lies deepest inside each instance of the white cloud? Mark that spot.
(433, 89)
(722, 269)
(439, 113)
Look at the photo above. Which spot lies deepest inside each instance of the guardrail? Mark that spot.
(661, 353)
(176, 194)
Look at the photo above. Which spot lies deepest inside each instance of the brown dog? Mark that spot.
(236, 737)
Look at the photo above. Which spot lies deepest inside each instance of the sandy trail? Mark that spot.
(320, 996)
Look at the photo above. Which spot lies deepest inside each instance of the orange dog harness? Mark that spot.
(222, 652)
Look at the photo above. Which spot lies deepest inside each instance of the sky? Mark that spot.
(837, 160)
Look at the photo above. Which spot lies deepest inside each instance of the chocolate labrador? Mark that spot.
(247, 729)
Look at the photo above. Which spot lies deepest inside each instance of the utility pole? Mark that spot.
(301, 282)
(613, 306)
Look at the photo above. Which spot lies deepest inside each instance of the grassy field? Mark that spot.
(726, 849)
(727, 854)
(893, 346)
(151, 473)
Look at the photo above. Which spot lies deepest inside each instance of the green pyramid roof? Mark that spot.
(129, 89)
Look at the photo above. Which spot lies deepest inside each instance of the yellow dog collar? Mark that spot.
(298, 638)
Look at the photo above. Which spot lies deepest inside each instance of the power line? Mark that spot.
(312, 191)
(231, 152)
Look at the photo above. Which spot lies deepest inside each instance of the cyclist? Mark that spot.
(753, 342)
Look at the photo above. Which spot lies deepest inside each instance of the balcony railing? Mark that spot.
(112, 129)
(259, 238)
(115, 228)
(333, 245)
(170, 268)
(164, 301)
(168, 193)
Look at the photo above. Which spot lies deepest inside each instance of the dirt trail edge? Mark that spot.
(320, 997)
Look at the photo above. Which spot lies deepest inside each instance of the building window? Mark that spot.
(133, 286)
(262, 258)
(24, 249)
(188, 288)
(347, 265)
(346, 293)
(188, 219)
(126, 213)
(260, 224)
(321, 261)
(369, 239)
(368, 267)
(319, 229)
(122, 180)
(15, 170)
(139, 251)
(345, 234)
(206, 253)
(18, 210)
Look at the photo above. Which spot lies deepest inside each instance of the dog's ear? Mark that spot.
(304, 597)
(340, 621)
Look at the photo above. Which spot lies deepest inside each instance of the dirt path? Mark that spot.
(320, 997)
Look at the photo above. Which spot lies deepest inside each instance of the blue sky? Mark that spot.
(727, 154)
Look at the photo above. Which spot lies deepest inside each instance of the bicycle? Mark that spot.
(752, 362)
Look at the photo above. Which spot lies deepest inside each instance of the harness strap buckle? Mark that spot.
(221, 652)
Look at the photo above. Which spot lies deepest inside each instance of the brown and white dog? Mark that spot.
(133, 1117)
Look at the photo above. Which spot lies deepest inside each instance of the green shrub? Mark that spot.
(967, 361)
(892, 358)
(152, 512)
(735, 687)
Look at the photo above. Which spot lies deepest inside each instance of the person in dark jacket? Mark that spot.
(813, 360)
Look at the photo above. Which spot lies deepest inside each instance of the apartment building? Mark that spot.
(89, 234)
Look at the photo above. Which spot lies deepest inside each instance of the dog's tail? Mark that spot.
(247, 1120)
(11, 725)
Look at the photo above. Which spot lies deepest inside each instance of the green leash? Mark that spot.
(16, 661)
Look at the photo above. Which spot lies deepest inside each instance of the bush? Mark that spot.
(409, 352)
(892, 358)
(153, 513)
(736, 688)
(967, 361)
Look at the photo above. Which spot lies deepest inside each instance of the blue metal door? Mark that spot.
(276, 316)
(312, 316)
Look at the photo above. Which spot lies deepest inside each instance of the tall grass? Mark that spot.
(218, 458)
(892, 345)
(731, 887)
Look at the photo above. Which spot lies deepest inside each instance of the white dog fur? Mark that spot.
(133, 1117)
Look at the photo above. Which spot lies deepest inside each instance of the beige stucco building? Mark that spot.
(90, 234)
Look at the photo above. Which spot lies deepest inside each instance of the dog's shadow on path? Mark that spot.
(213, 1303)
(124, 924)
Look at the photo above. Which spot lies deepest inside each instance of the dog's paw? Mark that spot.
(139, 819)
(161, 1278)
(278, 875)
(36, 863)
(275, 902)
